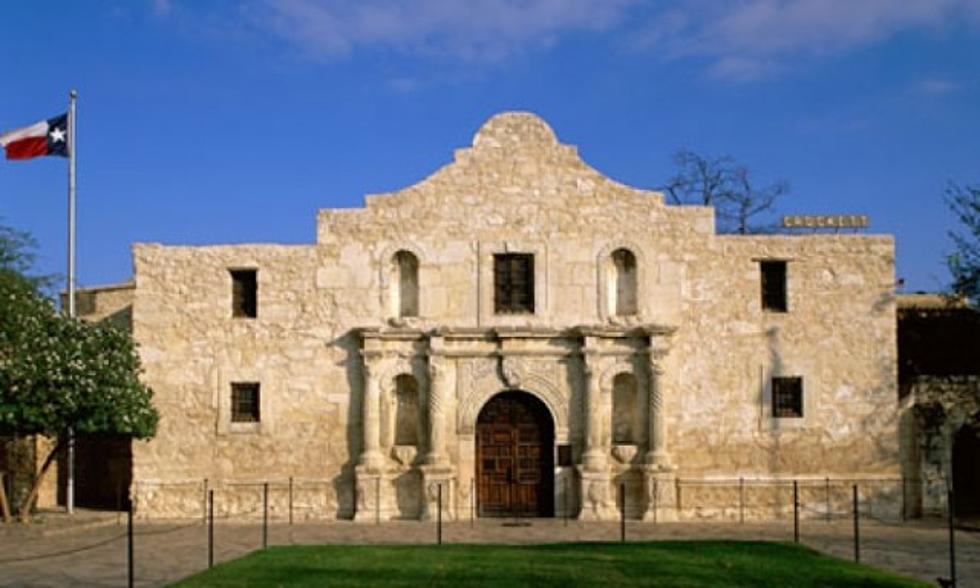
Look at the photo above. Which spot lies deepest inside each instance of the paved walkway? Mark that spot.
(91, 550)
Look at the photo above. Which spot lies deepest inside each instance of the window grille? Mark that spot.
(244, 293)
(245, 403)
(773, 285)
(787, 397)
(513, 280)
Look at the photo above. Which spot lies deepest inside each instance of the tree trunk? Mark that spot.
(25, 506)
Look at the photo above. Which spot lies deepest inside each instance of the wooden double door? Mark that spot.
(515, 457)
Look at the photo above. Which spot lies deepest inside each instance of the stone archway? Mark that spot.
(966, 475)
(515, 441)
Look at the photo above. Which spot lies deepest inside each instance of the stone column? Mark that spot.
(437, 471)
(371, 423)
(596, 504)
(594, 458)
(659, 478)
(437, 413)
(371, 484)
(656, 433)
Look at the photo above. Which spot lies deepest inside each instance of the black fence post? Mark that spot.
(210, 529)
(827, 493)
(513, 500)
(622, 512)
(796, 512)
(857, 528)
(265, 515)
(951, 508)
(439, 515)
(568, 489)
(741, 499)
(290, 500)
(904, 498)
(656, 494)
(129, 545)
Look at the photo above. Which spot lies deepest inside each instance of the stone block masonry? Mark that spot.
(635, 334)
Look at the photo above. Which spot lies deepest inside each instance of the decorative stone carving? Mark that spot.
(404, 454)
(372, 500)
(660, 492)
(624, 453)
(511, 370)
(478, 393)
(594, 458)
(437, 417)
(596, 504)
(371, 417)
(432, 478)
(657, 452)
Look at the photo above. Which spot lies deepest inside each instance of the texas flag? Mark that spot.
(48, 137)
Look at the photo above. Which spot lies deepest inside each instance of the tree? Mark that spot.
(964, 263)
(726, 185)
(17, 259)
(58, 373)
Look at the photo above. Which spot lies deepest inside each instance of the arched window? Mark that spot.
(624, 282)
(406, 410)
(406, 284)
(624, 412)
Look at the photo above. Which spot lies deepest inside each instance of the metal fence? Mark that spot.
(795, 509)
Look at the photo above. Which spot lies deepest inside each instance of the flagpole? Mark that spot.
(72, 97)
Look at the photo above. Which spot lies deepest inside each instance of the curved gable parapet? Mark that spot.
(514, 131)
(516, 169)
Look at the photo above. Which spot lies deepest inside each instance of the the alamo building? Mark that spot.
(527, 335)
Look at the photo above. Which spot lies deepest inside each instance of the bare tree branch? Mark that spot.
(726, 185)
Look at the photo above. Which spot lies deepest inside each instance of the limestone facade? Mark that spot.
(376, 348)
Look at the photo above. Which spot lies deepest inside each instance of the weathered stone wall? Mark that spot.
(515, 190)
(940, 406)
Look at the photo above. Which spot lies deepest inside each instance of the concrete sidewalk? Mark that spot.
(95, 555)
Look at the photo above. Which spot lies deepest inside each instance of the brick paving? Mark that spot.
(90, 549)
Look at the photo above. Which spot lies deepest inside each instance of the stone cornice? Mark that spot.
(525, 332)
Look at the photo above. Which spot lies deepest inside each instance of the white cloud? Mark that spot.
(162, 8)
(467, 30)
(758, 36)
(936, 86)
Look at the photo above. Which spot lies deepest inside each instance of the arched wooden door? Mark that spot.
(515, 457)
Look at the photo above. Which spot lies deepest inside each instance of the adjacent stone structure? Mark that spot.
(638, 349)
(939, 390)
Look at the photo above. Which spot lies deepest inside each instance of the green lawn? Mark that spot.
(663, 563)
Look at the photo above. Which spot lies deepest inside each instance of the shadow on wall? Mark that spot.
(343, 483)
(775, 447)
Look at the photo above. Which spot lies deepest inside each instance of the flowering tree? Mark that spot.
(58, 373)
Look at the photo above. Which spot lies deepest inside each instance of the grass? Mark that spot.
(662, 563)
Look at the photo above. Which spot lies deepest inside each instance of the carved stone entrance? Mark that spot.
(515, 457)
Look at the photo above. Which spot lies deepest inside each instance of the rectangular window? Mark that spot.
(787, 397)
(245, 403)
(513, 283)
(773, 285)
(244, 293)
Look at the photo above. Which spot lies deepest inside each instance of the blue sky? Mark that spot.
(233, 121)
